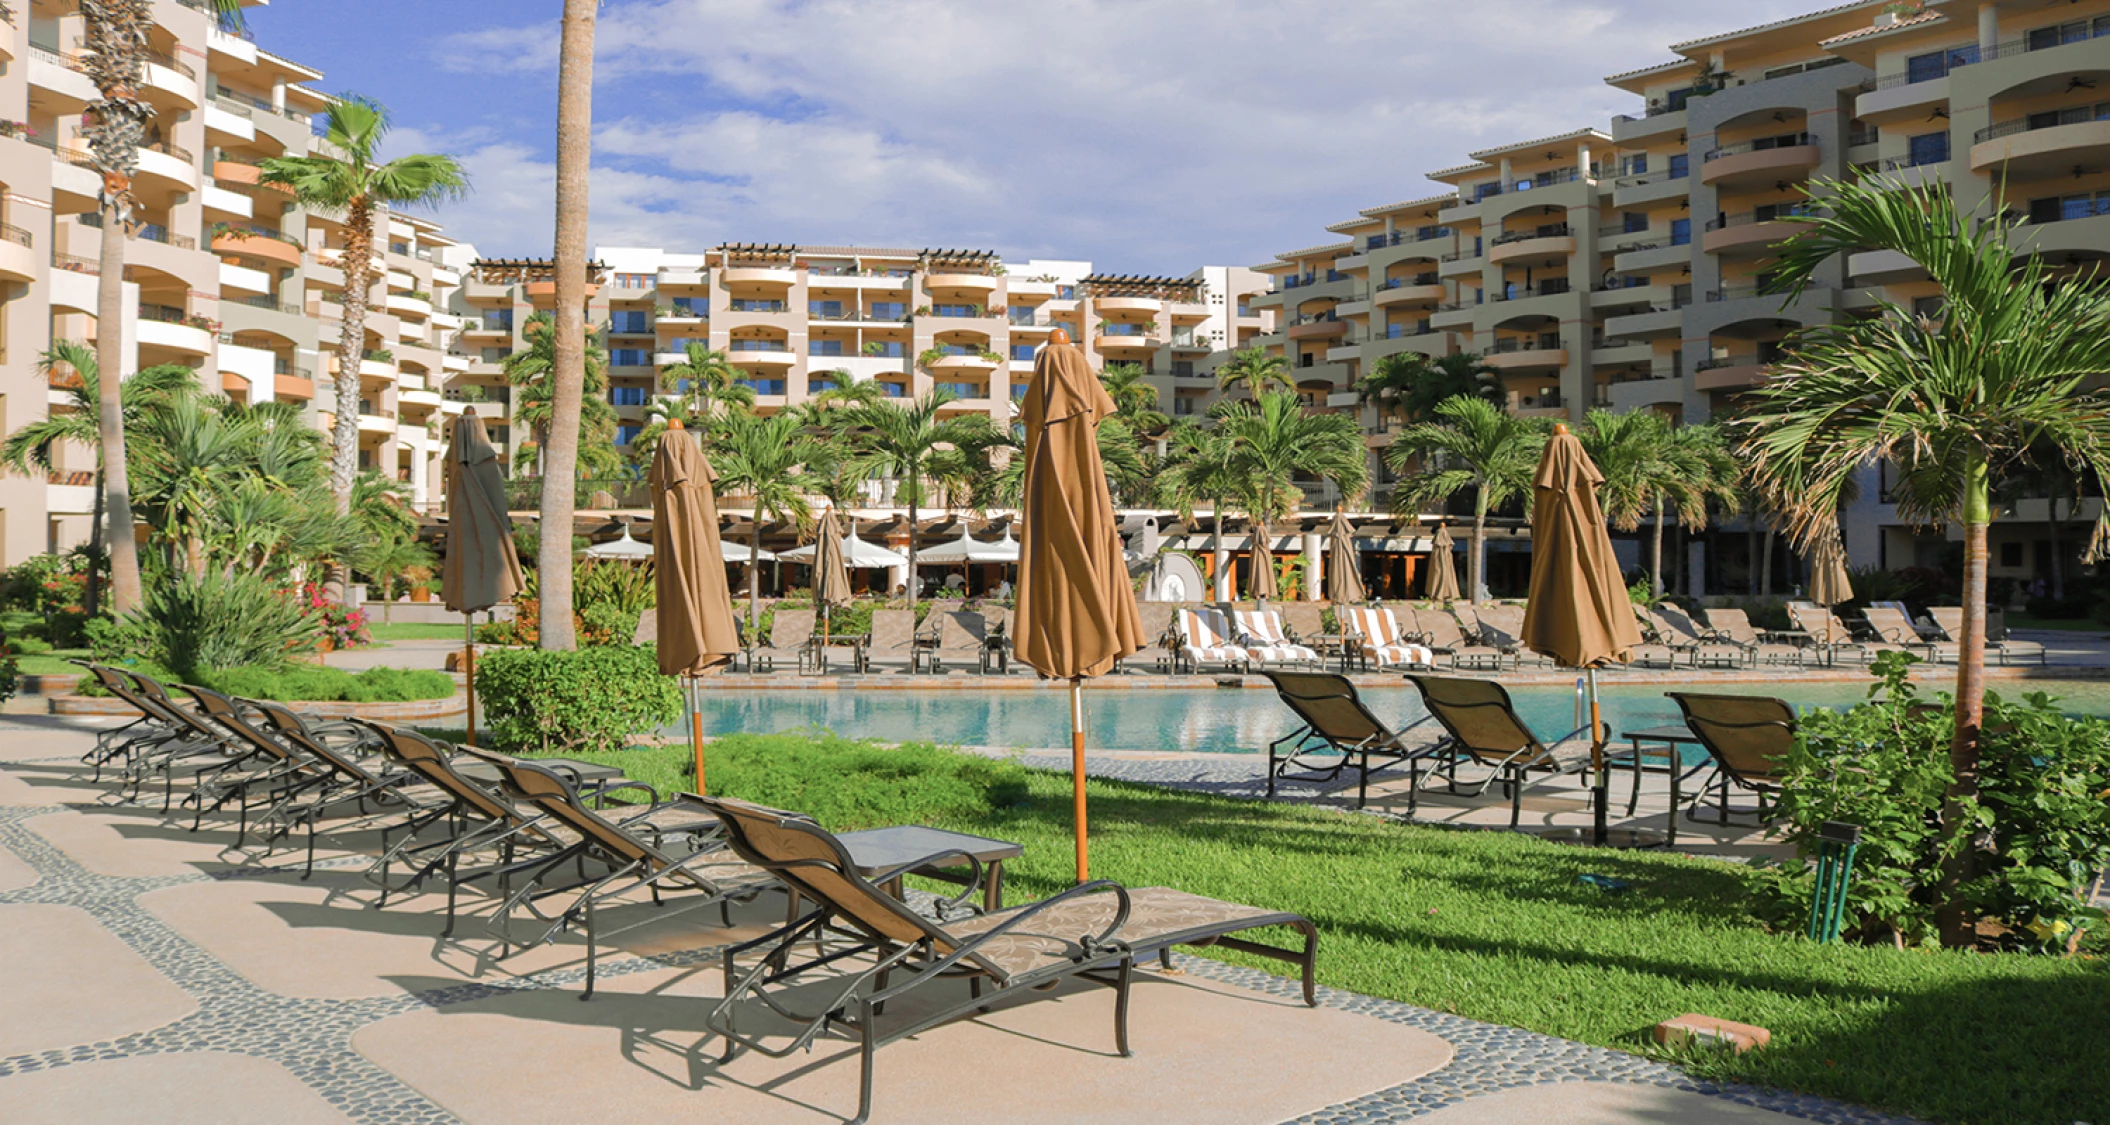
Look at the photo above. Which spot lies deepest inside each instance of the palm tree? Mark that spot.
(1134, 398)
(533, 369)
(900, 439)
(32, 449)
(1948, 404)
(1412, 383)
(1274, 442)
(762, 456)
(1202, 464)
(386, 557)
(115, 35)
(1472, 444)
(1648, 465)
(353, 185)
(712, 380)
(1256, 370)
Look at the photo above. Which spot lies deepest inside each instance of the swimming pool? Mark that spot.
(1210, 720)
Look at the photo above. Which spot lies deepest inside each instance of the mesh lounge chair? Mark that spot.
(1446, 638)
(634, 854)
(996, 625)
(1484, 730)
(1502, 627)
(1685, 635)
(1831, 636)
(1892, 627)
(961, 640)
(886, 950)
(336, 759)
(1733, 626)
(1655, 649)
(1374, 639)
(1335, 719)
(1749, 737)
(1304, 623)
(1262, 635)
(893, 640)
(1205, 637)
(1157, 650)
(1949, 619)
(163, 732)
(792, 634)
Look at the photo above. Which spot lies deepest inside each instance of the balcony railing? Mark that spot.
(1714, 362)
(1734, 293)
(1403, 282)
(1504, 345)
(17, 235)
(1550, 288)
(1970, 53)
(758, 346)
(268, 302)
(155, 232)
(1899, 163)
(169, 148)
(223, 93)
(2047, 119)
(1782, 213)
(171, 62)
(1551, 230)
(1792, 140)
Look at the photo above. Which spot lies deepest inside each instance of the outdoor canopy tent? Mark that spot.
(967, 549)
(625, 548)
(857, 555)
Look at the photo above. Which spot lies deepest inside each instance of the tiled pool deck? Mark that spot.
(143, 978)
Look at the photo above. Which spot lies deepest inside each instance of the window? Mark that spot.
(1183, 405)
(498, 322)
(402, 248)
(1022, 352)
(629, 357)
(1018, 391)
(1928, 148)
(889, 310)
(2072, 32)
(753, 304)
(1926, 68)
(626, 396)
(692, 306)
(826, 310)
(1183, 369)
(1929, 308)
(633, 281)
(759, 346)
(1675, 100)
(815, 384)
(764, 386)
(889, 349)
(1482, 191)
(493, 355)
(957, 310)
(1635, 222)
(624, 435)
(1681, 232)
(825, 347)
(630, 320)
(1679, 164)
(1065, 292)
(2061, 207)
(1022, 314)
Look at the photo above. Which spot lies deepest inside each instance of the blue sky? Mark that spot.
(1149, 136)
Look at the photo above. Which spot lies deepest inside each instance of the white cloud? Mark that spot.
(1145, 134)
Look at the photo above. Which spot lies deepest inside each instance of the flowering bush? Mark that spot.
(343, 628)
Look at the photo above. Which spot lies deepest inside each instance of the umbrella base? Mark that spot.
(1585, 836)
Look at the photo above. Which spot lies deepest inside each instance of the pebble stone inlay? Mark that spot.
(312, 1038)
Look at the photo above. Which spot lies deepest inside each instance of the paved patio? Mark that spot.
(145, 977)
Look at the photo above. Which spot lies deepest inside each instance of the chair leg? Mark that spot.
(865, 1049)
(1121, 990)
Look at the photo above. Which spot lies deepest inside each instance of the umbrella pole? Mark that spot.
(1597, 772)
(1077, 774)
(469, 669)
(696, 729)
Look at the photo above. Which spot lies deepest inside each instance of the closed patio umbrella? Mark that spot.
(1829, 582)
(831, 579)
(1260, 584)
(482, 568)
(1344, 567)
(1076, 610)
(1442, 583)
(697, 636)
(1579, 613)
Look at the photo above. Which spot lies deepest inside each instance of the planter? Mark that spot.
(327, 644)
(420, 594)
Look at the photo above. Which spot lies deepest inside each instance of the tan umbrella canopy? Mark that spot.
(831, 579)
(1260, 584)
(1076, 610)
(1579, 613)
(697, 635)
(482, 568)
(1344, 569)
(1829, 582)
(1442, 582)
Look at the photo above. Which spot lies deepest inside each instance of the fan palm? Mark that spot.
(353, 185)
(1134, 398)
(900, 439)
(115, 37)
(706, 380)
(1256, 370)
(1651, 466)
(1411, 384)
(385, 558)
(1947, 404)
(33, 448)
(1470, 443)
(763, 457)
(1202, 464)
(533, 369)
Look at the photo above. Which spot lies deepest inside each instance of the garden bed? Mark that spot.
(1496, 926)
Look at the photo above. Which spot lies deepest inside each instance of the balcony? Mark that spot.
(1315, 328)
(1649, 187)
(1734, 373)
(173, 80)
(759, 275)
(1750, 234)
(173, 330)
(405, 304)
(1127, 304)
(1532, 244)
(941, 283)
(1657, 321)
(1774, 158)
(958, 360)
(1657, 120)
(168, 166)
(59, 80)
(2041, 144)
(761, 353)
(18, 255)
(244, 240)
(1515, 355)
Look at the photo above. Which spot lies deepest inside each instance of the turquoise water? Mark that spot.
(1212, 720)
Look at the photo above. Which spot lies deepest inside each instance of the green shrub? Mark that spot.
(847, 784)
(591, 699)
(2042, 813)
(30, 646)
(213, 621)
(303, 683)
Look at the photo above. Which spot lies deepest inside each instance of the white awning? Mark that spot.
(740, 552)
(857, 555)
(626, 548)
(967, 549)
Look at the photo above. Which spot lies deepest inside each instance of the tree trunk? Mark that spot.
(1765, 563)
(1476, 566)
(560, 458)
(1655, 553)
(125, 591)
(2058, 569)
(754, 577)
(1216, 552)
(1751, 555)
(912, 550)
(1953, 915)
(92, 593)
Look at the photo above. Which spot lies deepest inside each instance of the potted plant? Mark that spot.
(419, 578)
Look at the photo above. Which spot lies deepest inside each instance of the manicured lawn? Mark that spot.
(2065, 624)
(1497, 927)
(384, 632)
(52, 663)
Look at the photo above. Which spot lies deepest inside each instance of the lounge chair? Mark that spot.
(635, 854)
(1687, 637)
(1733, 626)
(1158, 648)
(336, 769)
(1484, 730)
(1749, 737)
(793, 633)
(1892, 626)
(1655, 647)
(1949, 619)
(162, 732)
(1335, 719)
(1205, 637)
(886, 950)
(1304, 623)
(1445, 637)
(1264, 639)
(1831, 636)
(1502, 627)
(1374, 639)
(961, 639)
(996, 625)
(893, 640)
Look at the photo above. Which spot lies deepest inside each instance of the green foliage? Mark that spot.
(595, 698)
(609, 598)
(193, 624)
(2040, 823)
(300, 683)
(848, 784)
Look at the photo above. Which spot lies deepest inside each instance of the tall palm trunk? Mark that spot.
(1751, 555)
(1953, 915)
(126, 594)
(358, 264)
(560, 458)
(1218, 565)
(1476, 566)
(912, 549)
(1765, 565)
(754, 577)
(2058, 567)
(92, 591)
(1655, 552)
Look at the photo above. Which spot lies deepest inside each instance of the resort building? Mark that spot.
(223, 274)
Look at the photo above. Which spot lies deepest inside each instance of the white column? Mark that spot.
(1988, 26)
(278, 93)
(896, 576)
(418, 465)
(1223, 575)
(1314, 567)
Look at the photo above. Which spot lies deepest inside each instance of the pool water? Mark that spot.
(1212, 720)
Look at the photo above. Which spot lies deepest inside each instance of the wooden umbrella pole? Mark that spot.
(469, 667)
(696, 729)
(1084, 867)
(1601, 832)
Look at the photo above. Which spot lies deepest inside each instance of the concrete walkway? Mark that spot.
(146, 974)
